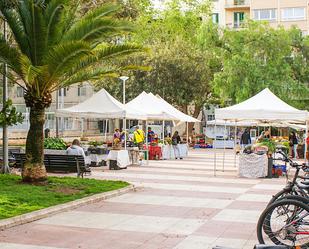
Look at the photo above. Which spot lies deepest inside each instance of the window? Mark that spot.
(81, 91)
(62, 90)
(293, 14)
(215, 17)
(20, 92)
(265, 14)
(210, 117)
(238, 19)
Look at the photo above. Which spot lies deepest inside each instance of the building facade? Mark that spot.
(65, 97)
(286, 13)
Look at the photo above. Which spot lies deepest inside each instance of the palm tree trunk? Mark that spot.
(34, 169)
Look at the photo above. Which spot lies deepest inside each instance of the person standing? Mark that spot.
(245, 139)
(139, 137)
(150, 135)
(307, 142)
(175, 141)
(294, 143)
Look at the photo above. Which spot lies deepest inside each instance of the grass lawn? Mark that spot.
(18, 198)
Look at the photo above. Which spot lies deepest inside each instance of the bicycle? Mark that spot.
(293, 187)
(285, 221)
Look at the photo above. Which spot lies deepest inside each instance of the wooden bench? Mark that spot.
(59, 163)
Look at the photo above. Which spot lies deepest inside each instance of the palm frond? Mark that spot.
(96, 29)
(30, 72)
(55, 21)
(103, 54)
(13, 19)
(63, 57)
(10, 56)
(103, 11)
(89, 75)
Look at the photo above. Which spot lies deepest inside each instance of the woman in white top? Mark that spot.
(75, 149)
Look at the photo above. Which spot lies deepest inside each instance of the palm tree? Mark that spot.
(55, 47)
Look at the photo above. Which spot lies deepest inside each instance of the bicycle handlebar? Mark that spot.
(290, 161)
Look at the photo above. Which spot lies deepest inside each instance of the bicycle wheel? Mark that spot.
(283, 193)
(285, 222)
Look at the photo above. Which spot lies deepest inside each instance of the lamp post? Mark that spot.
(124, 78)
(5, 167)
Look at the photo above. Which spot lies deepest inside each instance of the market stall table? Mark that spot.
(120, 156)
(155, 152)
(174, 151)
(253, 165)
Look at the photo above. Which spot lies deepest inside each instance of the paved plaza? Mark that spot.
(178, 204)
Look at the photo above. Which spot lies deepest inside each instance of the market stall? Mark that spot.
(157, 108)
(265, 107)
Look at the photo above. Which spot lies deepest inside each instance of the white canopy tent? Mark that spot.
(156, 108)
(104, 106)
(152, 107)
(263, 107)
(175, 112)
(182, 116)
(101, 105)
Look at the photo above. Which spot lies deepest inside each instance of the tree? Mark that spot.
(54, 49)
(259, 56)
(183, 56)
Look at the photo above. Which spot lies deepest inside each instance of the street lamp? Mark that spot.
(5, 167)
(124, 78)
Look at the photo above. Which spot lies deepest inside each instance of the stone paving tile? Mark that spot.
(171, 201)
(178, 204)
(247, 205)
(21, 246)
(238, 215)
(187, 193)
(202, 242)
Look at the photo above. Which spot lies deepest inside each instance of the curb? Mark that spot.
(46, 212)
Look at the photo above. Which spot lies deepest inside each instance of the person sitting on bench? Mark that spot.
(75, 149)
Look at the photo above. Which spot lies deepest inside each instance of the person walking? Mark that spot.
(245, 139)
(293, 144)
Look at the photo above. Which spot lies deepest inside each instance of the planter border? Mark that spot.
(46, 212)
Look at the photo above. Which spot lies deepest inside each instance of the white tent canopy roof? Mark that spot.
(265, 106)
(256, 123)
(152, 106)
(101, 105)
(175, 112)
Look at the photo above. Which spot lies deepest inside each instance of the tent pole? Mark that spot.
(235, 143)
(125, 132)
(215, 150)
(187, 134)
(163, 131)
(205, 133)
(306, 146)
(224, 145)
(147, 148)
(105, 135)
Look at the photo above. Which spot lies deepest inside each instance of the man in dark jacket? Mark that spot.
(245, 139)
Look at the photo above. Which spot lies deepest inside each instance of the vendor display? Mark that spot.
(155, 152)
(118, 159)
(252, 165)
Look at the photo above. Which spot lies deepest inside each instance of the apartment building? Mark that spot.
(286, 13)
(63, 98)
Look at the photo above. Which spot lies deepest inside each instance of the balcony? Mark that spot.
(237, 4)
